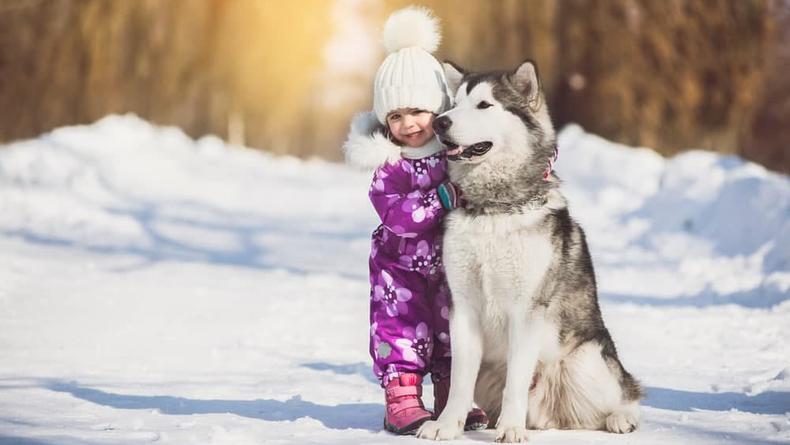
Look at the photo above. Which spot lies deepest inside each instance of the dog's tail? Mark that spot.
(412, 26)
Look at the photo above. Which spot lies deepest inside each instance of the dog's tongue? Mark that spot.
(455, 151)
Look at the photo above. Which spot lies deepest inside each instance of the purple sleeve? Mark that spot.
(403, 208)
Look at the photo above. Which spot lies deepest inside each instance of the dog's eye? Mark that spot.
(483, 105)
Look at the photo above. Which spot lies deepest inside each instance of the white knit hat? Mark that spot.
(410, 77)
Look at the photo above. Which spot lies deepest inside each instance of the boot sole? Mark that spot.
(408, 430)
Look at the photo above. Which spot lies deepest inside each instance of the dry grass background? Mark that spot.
(672, 74)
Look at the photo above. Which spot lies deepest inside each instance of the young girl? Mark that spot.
(409, 306)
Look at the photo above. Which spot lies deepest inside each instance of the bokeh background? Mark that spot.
(286, 76)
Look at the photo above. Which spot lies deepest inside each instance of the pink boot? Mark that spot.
(405, 411)
(475, 420)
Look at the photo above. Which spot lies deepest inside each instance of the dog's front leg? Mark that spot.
(523, 348)
(467, 344)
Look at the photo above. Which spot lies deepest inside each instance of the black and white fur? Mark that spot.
(523, 287)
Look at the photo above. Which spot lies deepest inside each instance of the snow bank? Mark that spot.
(719, 224)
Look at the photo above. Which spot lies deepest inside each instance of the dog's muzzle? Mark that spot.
(457, 152)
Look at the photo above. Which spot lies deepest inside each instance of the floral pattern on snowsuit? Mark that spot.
(408, 289)
(409, 298)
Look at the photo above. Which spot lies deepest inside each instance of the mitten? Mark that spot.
(449, 195)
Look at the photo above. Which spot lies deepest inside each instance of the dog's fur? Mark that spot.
(529, 343)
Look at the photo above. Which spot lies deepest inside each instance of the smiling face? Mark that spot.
(410, 126)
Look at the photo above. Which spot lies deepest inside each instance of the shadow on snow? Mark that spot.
(769, 402)
(348, 415)
(759, 298)
(368, 415)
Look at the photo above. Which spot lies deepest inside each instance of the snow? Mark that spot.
(158, 289)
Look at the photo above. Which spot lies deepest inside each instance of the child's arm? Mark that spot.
(404, 210)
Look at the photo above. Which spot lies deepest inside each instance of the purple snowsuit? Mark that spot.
(409, 298)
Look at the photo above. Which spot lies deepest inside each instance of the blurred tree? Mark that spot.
(268, 57)
(767, 138)
(199, 65)
(672, 74)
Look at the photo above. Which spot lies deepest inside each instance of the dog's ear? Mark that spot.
(454, 74)
(525, 80)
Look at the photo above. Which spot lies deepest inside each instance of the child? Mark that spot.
(409, 307)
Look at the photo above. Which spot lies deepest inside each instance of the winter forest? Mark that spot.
(184, 253)
(287, 76)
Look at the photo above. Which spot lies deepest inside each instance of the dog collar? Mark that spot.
(550, 163)
(535, 203)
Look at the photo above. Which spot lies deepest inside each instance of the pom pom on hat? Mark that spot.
(412, 26)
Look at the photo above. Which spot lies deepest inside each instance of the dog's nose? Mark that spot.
(441, 124)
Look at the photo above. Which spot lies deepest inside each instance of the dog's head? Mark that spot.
(498, 117)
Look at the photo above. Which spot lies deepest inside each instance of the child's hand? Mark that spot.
(449, 195)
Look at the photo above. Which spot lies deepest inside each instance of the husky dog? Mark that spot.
(529, 344)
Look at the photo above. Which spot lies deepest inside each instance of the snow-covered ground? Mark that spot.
(159, 289)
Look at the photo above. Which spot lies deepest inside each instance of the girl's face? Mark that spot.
(410, 126)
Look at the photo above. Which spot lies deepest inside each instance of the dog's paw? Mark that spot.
(438, 430)
(511, 434)
(620, 422)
